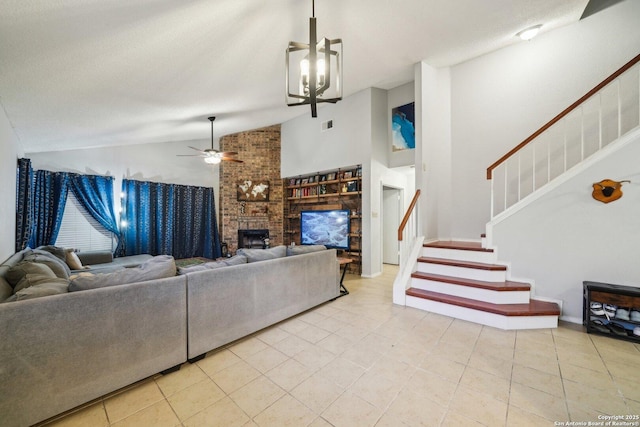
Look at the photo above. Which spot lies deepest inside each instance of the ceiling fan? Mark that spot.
(211, 155)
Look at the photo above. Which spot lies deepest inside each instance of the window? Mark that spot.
(81, 231)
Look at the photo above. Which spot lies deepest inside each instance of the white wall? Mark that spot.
(566, 237)
(360, 136)
(381, 173)
(10, 151)
(501, 98)
(305, 148)
(144, 162)
(433, 149)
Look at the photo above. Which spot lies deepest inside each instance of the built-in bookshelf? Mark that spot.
(327, 190)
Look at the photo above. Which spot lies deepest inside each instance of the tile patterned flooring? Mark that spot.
(362, 361)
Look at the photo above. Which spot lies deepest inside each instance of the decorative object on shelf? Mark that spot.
(607, 190)
(253, 191)
(316, 63)
(211, 155)
(243, 207)
(403, 130)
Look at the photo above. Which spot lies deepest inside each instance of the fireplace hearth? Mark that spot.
(253, 239)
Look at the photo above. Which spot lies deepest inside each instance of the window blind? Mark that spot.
(81, 231)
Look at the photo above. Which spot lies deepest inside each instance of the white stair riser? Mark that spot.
(482, 317)
(466, 273)
(460, 255)
(479, 294)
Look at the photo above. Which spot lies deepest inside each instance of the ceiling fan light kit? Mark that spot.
(316, 70)
(211, 155)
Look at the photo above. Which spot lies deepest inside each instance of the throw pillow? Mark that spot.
(59, 267)
(73, 261)
(18, 271)
(158, 267)
(304, 249)
(38, 279)
(55, 287)
(255, 255)
(58, 252)
(235, 260)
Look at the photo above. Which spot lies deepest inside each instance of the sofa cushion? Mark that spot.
(72, 260)
(304, 249)
(56, 251)
(235, 260)
(255, 255)
(38, 279)
(95, 257)
(59, 267)
(16, 273)
(158, 267)
(5, 289)
(52, 287)
(131, 260)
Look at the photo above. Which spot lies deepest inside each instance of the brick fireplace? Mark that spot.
(260, 151)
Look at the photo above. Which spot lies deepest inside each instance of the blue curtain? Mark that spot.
(95, 193)
(42, 195)
(169, 219)
(24, 212)
(49, 198)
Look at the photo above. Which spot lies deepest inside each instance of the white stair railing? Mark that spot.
(603, 115)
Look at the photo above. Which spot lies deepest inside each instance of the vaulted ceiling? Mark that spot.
(87, 73)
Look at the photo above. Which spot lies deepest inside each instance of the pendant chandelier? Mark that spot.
(313, 70)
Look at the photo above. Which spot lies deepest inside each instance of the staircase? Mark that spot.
(462, 280)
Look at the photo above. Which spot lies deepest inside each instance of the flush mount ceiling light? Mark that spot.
(529, 33)
(315, 73)
(211, 155)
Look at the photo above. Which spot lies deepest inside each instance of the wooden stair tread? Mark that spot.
(452, 244)
(472, 283)
(466, 264)
(533, 308)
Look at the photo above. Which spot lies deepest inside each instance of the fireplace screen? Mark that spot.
(256, 239)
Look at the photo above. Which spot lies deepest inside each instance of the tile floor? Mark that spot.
(362, 361)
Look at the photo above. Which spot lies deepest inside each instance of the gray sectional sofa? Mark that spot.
(61, 351)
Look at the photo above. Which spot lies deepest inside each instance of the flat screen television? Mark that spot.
(325, 227)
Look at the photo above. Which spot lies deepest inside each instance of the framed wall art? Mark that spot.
(253, 191)
(403, 133)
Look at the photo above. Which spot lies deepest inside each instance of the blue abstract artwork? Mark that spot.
(403, 131)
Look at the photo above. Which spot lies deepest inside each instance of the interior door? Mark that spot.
(391, 211)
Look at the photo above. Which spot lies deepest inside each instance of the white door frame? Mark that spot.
(400, 192)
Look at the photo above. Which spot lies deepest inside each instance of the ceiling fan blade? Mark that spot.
(197, 149)
(229, 159)
(229, 153)
(189, 155)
